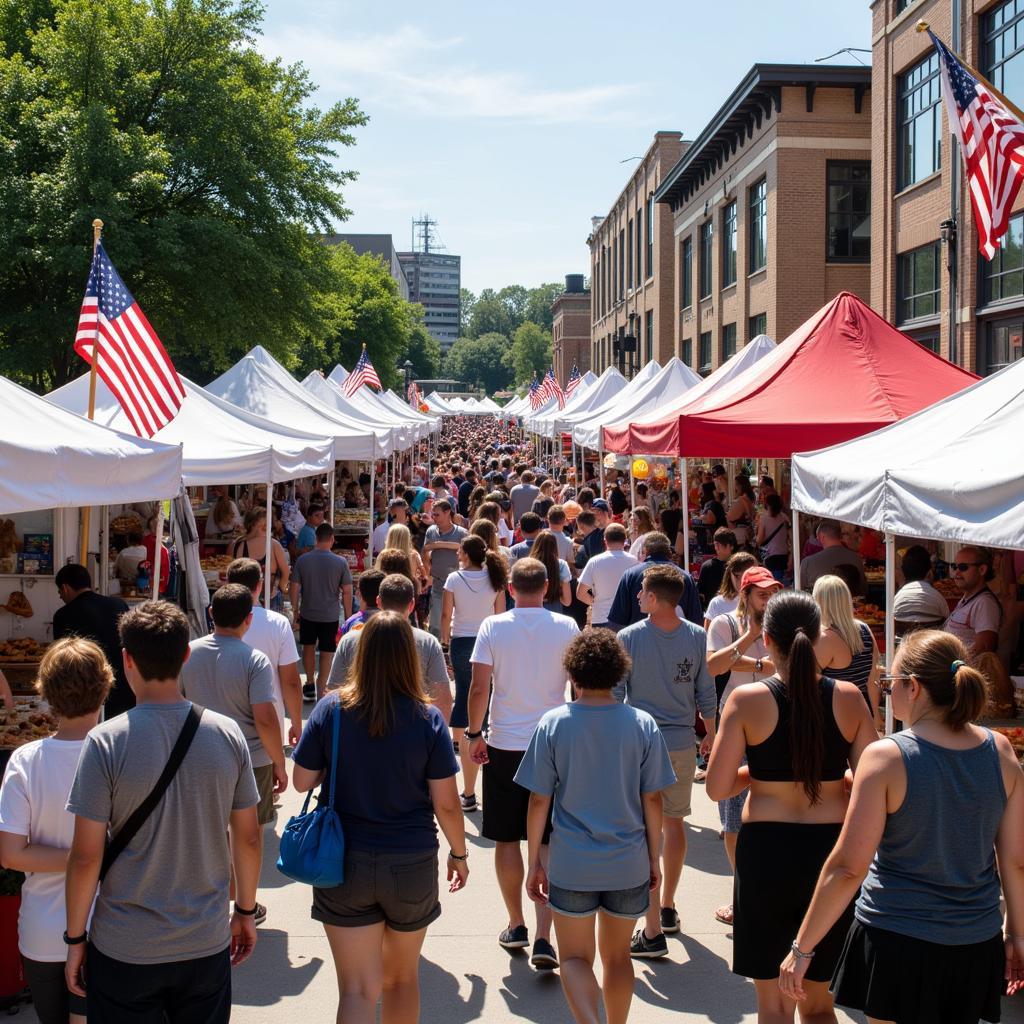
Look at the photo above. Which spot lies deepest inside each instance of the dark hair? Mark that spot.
(437, 480)
(849, 574)
(723, 535)
(742, 481)
(740, 562)
(156, 635)
(773, 503)
(665, 582)
(442, 505)
(530, 522)
(586, 518)
(135, 537)
(615, 533)
(545, 550)
(983, 557)
(556, 515)
(253, 516)
(231, 605)
(793, 621)
(529, 576)
(586, 496)
(656, 545)
(480, 555)
(916, 563)
(708, 492)
(829, 528)
(396, 592)
(245, 571)
(394, 560)
(324, 532)
(313, 510)
(937, 660)
(596, 660)
(369, 587)
(489, 510)
(527, 476)
(74, 576)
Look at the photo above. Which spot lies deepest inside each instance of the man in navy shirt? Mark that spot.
(625, 609)
(530, 526)
(465, 490)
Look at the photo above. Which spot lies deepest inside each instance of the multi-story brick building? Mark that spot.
(631, 268)
(570, 328)
(922, 228)
(771, 208)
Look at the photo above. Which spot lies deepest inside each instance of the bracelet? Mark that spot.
(455, 856)
(245, 913)
(472, 735)
(77, 940)
(799, 954)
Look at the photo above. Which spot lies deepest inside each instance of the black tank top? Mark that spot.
(772, 761)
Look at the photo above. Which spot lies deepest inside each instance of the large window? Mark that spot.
(1002, 48)
(687, 356)
(758, 324)
(622, 263)
(1004, 344)
(650, 236)
(650, 334)
(1004, 275)
(639, 248)
(629, 248)
(917, 286)
(728, 341)
(686, 272)
(848, 238)
(918, 120)
(705, 352)
(707, 237)
(729, 245)
(758, 226)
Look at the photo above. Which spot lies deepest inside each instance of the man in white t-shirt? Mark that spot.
(600, 577)
(398, 514)
(977, 617)
(271, 634)
(917, 600)
(519, 653)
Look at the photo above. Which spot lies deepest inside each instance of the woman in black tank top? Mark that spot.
(800, 732)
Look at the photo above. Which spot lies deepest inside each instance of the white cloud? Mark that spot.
(411, 71)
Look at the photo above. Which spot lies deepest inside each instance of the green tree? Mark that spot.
(208, 163)
(423, 351)
(480, 362)
(531, 351)
(491, 316)
(538, 303)
(467, 300)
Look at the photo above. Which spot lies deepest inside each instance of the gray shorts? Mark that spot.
(398, 889)
(627, 903)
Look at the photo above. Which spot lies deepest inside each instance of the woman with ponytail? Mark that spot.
(800, 732)
(934, 810)
(474, 591)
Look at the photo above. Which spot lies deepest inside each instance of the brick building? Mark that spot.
(570, 328)
(631, 268)
(922, 227)
(771, 208)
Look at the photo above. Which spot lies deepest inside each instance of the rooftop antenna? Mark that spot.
(424, 238)
(851, 50)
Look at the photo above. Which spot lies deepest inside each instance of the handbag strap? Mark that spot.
(334, 754)
(138, 817)
(771, 536)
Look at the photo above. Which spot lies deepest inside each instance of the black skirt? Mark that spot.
(894, 977)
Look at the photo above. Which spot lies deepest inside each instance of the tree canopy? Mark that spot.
(480, 362)
(531, 351)
(208, 163)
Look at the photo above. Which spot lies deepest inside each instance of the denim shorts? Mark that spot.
(460, 650)
(626, 903)
(730, 812)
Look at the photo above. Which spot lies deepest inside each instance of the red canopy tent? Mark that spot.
(842, 374)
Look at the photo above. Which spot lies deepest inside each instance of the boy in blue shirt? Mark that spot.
(603, 764)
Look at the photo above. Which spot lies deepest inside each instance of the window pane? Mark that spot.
(918, 122)
(918, 282)
(848, 233)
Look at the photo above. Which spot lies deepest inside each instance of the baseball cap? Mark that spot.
(600, 505)
(758, 576)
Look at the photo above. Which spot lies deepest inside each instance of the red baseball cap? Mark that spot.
(758, 576)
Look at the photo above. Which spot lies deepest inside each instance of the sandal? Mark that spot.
(724, 914)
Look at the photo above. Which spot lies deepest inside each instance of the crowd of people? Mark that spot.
(542, 639)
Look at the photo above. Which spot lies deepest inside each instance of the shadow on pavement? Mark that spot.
(534, 995)
(440, 996)
(705, 851)
(703, 985)
(272, 977)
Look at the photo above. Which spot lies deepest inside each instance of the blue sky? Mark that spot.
(507, 122)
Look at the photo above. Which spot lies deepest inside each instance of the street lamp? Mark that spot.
(407, 369)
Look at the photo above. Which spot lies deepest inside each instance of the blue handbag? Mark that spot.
(313, 843)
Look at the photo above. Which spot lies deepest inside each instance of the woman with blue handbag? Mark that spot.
(384, 760)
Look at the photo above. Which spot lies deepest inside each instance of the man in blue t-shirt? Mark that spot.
(625, 609)
(306, 539)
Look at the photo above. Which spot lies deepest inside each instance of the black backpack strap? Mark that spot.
(138, 817)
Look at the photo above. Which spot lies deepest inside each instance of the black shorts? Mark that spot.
(777, 868)
(895, 977)
(505, 802)
(318, 634)
(398, 889)
(50, 996)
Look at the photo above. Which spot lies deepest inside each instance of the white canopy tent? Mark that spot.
(667, 386)
(489, 405)
(388, 400)
(564, 420)
(609, 384)
(440, 404)
(359, 408)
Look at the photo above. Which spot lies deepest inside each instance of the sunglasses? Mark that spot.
(886, 683)
(963, 566)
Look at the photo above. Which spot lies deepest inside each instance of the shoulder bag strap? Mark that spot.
(771, 536)
(334, 754)
(138, 817)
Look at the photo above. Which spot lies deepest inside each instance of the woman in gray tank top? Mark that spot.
(933, 809)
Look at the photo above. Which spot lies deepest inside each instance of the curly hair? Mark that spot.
(596, 660)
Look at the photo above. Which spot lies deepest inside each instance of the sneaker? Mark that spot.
(309, 693)
(514, 938)
(261, 914)
(669, 920)
(543, 956)
(469, 803)
(643, 948)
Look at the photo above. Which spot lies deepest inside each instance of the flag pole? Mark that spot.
(97, 231)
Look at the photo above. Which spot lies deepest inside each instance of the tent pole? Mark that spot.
(632, 487)
(684, 494)
(369, 541)
(330, 495)
(105, 549)
(796, 549)
(268, 556)
(600, 471)
(158, 550)
(890, 621)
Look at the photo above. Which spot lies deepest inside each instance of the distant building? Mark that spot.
(379, 245)
(434, 282)
(570, 328)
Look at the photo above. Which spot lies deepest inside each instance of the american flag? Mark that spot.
(362, 373)
(550, 389)
(130, 359)
(536, 401)
(573, 381)
(413, 394)
(991, 141)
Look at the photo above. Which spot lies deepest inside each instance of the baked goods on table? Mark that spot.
(127, 522)
(22, 649)
(28, 720)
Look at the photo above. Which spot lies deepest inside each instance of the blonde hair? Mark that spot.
(399, 537)
(74, 677)
(836, 604)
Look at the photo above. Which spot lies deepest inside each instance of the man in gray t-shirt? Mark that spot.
(165, 898)
(523, 495)
(441, 554)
